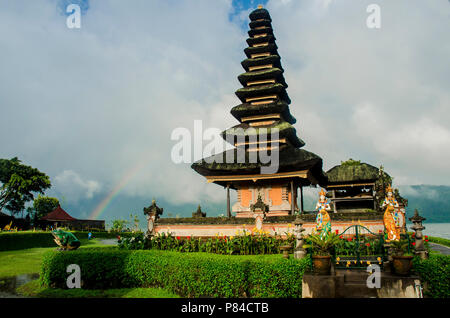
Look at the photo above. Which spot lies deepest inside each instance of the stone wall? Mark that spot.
(210, 227)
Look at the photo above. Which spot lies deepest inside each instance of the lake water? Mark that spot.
(434, 229)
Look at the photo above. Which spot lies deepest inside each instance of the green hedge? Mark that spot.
(22, 240)
(187, 274)
(434, 273)
(439, 240)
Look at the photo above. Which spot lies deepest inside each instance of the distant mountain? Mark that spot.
(432, 202)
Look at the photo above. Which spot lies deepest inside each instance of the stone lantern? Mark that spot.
(299, 252)
(418, 227)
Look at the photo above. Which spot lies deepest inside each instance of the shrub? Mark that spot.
(434, 275)
(187, 274)
(28, 239)
(438, 240)
(21, 240)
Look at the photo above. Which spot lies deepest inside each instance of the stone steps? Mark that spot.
(355, 284)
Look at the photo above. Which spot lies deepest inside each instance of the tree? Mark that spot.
(43, 205)
(118, 225)
(18, 183)
(134, 220)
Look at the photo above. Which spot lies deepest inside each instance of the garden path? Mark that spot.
(440, 248)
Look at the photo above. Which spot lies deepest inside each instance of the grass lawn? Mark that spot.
(28, 261)
(33, 289)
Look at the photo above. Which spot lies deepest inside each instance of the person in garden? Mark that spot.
(323, 222)
(391, 218)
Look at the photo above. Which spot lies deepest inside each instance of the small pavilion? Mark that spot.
(352, 187)
(59, 217)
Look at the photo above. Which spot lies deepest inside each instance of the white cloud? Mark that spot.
(73, 187)
(105, 98)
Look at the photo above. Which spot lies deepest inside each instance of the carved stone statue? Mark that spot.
(152, 212)
(391, 216)
(323, 221)
(259, 210)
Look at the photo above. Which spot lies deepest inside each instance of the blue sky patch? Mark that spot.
(244, 5)
(63, 4)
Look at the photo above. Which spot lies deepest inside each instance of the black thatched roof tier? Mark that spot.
(264, 108)
(264, 74)
(353, 172)
(290, 159)
(263, 90)
(246, 109)
(259, 14)
(285, 130)
(264, 30)
(266, 60)
(263, 39)
(271, 48)
(260, 23)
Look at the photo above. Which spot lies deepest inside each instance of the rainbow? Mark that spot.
(128, 175)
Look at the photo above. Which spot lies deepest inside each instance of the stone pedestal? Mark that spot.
(353, 284)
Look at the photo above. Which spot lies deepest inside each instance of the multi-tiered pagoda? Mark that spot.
(264, 108)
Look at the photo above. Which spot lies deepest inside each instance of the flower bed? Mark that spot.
(244, 243)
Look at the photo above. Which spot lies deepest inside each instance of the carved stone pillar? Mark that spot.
(299, 251)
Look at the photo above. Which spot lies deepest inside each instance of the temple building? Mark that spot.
(264, 109)
(270, 200)
(351, 187)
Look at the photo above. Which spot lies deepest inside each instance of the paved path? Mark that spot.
(109, 241)
(440, 248)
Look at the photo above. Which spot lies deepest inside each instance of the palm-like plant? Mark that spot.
(400, 247)
(321, 245)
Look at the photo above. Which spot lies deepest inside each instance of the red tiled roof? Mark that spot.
(58, 214)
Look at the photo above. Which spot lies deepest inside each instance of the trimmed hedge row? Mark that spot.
(439, 240)
(22, 240)
(187, 274)
(434, 273)
(17, 240)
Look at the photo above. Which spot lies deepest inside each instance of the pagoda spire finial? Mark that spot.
(260, 6)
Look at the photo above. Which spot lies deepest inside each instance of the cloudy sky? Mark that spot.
(95, 107)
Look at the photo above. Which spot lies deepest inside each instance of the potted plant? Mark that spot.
(321, 248)
(401, 257)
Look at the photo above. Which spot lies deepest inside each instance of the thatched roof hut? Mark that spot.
(352, 171)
